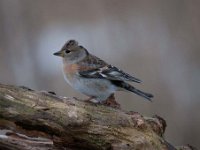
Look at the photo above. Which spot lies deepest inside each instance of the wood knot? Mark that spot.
(158, 124)
(138, 120)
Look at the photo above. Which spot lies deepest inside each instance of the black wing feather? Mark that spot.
(110, 73)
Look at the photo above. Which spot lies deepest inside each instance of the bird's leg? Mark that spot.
(110, 101)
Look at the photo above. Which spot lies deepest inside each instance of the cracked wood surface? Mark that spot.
(42, 120)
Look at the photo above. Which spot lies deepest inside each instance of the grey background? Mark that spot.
(155, 40)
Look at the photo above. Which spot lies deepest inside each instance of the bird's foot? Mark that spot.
(111, 102)
(88, 99)
(91, 100)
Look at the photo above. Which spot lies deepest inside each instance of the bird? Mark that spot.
(93, 76)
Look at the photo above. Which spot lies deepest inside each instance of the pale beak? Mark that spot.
(59, 53)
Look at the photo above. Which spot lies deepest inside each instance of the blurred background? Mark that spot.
(154, 40)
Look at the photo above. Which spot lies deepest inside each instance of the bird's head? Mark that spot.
(72, 51)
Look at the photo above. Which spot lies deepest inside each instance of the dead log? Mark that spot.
(41, 120)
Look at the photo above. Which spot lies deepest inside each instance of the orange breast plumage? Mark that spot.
(70, 68)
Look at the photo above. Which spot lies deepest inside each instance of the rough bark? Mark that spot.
(41, 120)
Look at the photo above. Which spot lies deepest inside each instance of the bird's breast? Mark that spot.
(70, 71)
(70, 68)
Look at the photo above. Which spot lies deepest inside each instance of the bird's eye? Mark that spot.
(67, 51)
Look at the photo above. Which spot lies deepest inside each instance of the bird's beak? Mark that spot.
(59, 53)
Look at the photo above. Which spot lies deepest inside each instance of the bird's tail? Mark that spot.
(141, 93)
(129, 87)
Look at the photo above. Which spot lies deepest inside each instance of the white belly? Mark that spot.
(101, 89)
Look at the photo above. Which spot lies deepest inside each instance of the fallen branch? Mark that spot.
(41, 120)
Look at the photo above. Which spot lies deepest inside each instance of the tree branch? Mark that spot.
(41, 120)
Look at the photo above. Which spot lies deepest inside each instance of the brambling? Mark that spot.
(92, 76)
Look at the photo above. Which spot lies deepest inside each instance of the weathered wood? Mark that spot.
(41, 120)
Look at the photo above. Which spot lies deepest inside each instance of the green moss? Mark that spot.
(93, 141)
(15, 110)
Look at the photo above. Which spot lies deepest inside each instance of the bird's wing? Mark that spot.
(108, 72)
